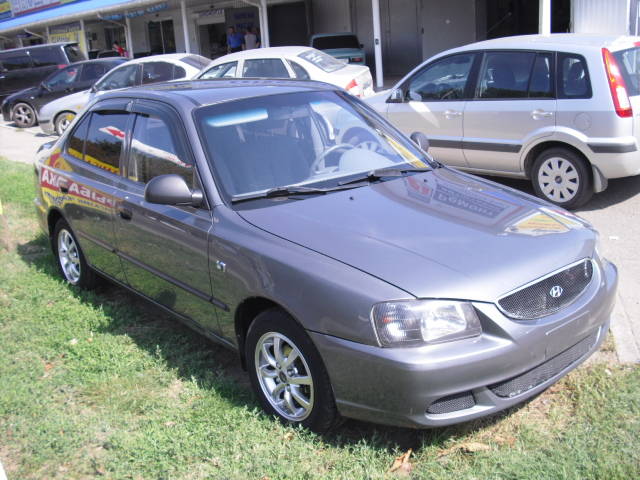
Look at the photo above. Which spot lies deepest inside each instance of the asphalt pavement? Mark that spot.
(615, 213)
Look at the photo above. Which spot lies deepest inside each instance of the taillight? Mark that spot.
(353, 88)
(616, 84)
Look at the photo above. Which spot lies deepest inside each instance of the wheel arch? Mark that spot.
(52, 218)
(537, 149)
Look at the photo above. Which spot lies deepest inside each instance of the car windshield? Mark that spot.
(336, 41)
(311, 139)
(322, 60)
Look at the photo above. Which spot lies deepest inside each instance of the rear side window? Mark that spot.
(573, 76)
(154, 152)
(104, 140)
(75, 144)
(92, 71)
(179, 72)
(540, 83)
(300, 72)
(505, 75)
(629, 63)
(16, 61)
(154, 72)
(46, 57)
(225, 70)
(265, 67)
(445, 79)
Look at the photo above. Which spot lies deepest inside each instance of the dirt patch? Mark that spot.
(9, 457)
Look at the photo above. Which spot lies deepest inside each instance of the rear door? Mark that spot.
(434, 103)
(164, 248)
(514, 104)
(57, 85)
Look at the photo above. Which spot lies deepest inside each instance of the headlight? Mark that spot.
(410, 323)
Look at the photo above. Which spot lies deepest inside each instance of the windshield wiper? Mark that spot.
(379, 173)
(292, 190)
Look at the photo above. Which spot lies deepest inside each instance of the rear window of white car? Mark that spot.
(629, 62)
(322, 60)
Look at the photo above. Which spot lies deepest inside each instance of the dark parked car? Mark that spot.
(22, 107)
(358, 278)
(28, 66)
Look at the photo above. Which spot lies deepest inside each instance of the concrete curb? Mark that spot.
(622, 327)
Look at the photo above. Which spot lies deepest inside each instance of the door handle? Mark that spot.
(452, 113)
(536, 114)
(63, 185)
(125, 213)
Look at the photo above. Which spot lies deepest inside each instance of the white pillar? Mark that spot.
(185, 26)
(264, 21)
(47, 33)
(377, 47)
(544, 17)
(127, 32)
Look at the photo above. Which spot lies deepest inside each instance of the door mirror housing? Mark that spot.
(421, 140)
(45, 87)
(396, 96)
(171, 189)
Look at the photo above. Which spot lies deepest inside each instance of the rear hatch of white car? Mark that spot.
(622, 65)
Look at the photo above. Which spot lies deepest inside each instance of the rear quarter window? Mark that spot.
(573, 76)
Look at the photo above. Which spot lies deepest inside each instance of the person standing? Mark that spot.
(235, 40)
(251, 40)
(121, 51)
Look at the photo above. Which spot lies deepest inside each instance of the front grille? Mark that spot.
(538, 300)
(544, 371)
(452, 403)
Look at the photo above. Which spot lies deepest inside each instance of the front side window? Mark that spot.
(264, 68)
(505, 75)
(46, 57)
(573, 77)
(225, 70)
(62, 78)
(104, 140)
(445, 79)
(304, 139)
(122, 77)
(154, 152)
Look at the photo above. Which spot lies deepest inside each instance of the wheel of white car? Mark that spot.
(561, 176)
(70, 259)
(23, 115)
(287, 372)
(62, 121)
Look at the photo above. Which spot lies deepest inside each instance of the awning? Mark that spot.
(69, 12)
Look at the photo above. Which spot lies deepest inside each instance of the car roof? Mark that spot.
(154, 58)
(44, 45)
(261, 53)
(192, 94)
(102, 60)
(552, 41)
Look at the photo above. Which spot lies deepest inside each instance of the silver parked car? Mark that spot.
(557, 109)
(358, 278)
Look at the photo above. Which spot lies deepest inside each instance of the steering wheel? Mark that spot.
(313, 169)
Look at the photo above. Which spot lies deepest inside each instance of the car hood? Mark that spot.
(74, 103)
(440, 234)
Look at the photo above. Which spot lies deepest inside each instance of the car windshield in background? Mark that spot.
(336, 41)
(313, 139)
(196, 61)
(74, 53)
(629, 61)
(322, 60)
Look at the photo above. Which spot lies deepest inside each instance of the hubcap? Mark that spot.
(284, 376)
(22, 115)
(69, 257)
(64, 122)
(558, 179)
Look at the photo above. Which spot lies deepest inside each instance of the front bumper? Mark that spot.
(397, 386)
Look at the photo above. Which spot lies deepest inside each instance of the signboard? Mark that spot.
(20, 7)
(69, 32)
(5, 9)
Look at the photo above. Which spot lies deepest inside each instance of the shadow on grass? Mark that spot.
(194, 357)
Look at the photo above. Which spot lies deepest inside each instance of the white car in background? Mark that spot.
(303, 63)
(56, 116)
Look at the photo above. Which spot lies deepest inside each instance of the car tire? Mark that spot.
(23, 115)
(296, 393)
(563, 177)
(70, 259)
(62, 121)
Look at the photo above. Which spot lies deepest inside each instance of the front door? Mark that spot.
(434, 103)
(514, 105)
(164, 248)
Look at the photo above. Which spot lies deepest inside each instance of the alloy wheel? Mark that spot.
(69, 256)
(558, 179)
(284, 376)
(23, 115)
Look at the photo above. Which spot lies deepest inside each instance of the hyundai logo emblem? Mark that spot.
(556, 291)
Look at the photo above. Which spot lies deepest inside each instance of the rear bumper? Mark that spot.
(397, 386)
(47, 126)
(615, 160)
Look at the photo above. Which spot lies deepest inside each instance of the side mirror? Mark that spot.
(93, 88)
(44, 86)
(396, 96)
(421, 140)
(171, 189)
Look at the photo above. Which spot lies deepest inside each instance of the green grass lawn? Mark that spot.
(102, 384)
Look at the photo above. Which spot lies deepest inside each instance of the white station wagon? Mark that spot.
(562, 110)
